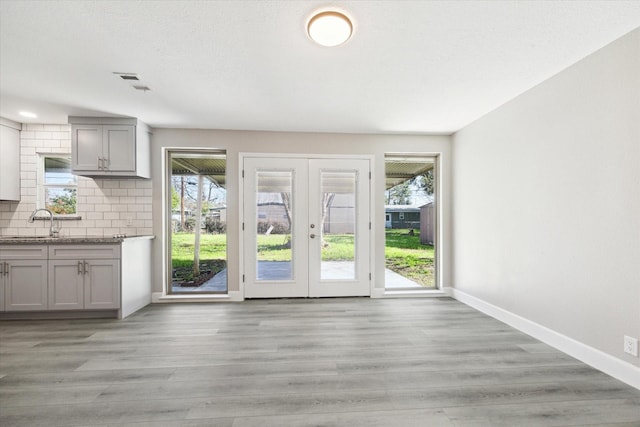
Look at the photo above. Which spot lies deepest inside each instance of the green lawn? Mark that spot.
(212, 246)
(403, 253)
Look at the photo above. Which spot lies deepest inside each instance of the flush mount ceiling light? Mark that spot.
(329, 28)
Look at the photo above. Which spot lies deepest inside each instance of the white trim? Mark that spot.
(371, 158)
(598, 359)
(419, 293)
(160, 298)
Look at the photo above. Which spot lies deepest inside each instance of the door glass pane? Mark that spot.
(197, 202)
(338, 230)
(274, 219)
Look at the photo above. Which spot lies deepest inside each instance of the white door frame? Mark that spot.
(241, 198)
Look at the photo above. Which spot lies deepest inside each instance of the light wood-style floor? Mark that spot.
(317, 362)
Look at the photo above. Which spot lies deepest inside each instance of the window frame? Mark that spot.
(42, 185)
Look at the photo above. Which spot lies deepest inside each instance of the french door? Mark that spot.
(306, 227)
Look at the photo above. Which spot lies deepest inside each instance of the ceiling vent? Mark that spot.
(142, 88)
(127, 76)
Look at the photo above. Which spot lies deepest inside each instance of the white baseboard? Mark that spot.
(598, 359)
(406, 293)
(160, 298)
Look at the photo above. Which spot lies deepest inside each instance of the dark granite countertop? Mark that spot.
(66, 239)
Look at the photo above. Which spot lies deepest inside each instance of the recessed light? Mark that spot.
(330, 28)
(28, 114)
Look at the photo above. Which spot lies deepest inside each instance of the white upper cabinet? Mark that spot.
(9, 160)
(109, 147)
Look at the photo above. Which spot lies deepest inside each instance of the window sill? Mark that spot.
(59, 218)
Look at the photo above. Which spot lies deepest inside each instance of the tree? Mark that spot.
(400, 194)
(425, 182)
(63, 203)
(196, 245)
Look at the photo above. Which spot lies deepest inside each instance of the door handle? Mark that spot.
(313, 236)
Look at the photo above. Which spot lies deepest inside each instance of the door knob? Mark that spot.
(313, 236)
(312, 226)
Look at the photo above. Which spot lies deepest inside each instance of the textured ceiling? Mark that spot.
(410, 67)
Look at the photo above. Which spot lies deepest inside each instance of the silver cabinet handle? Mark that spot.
(6, 268)
(80, 267)
(86, 267)
(1, 268)
(105, 163)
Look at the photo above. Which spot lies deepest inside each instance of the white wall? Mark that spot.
(546, 205)
(236, 142)
(106, 206)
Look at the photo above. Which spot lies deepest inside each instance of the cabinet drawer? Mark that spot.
(23, 252)
(84, 251)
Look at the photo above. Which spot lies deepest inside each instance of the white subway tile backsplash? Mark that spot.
(100, 202)
(143, 200)
(127, 200)
(43, 135)
(111, 184)
(135, 208)
(120, 208)
(101, 208)
(95, 200)
(94, 215)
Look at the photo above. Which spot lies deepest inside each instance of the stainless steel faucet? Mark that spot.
(52, 232)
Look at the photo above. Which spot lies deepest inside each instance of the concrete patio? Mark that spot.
(281, 270)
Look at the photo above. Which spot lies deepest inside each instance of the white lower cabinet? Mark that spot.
(23, 278)
(84, 277)
(66, 287)
(25, 286)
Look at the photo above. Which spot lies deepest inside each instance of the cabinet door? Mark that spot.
(26, 285)
(66, 285)
(102, 284)
(86, 143)
(119, 148)
(9, 163)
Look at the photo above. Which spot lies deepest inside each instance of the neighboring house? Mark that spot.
(402, 216)
(272, 213)
(218, 213)
(340, 218)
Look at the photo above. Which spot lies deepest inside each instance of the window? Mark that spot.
(58, 186)
(198, 194)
